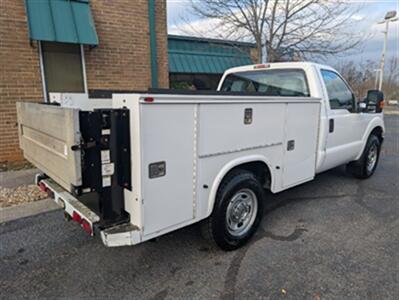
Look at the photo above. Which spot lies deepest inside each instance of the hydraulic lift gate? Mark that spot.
(46, 134)
(85, 152)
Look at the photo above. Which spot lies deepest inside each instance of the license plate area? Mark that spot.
(73, 208)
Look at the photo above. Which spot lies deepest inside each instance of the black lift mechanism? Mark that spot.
(106, 164)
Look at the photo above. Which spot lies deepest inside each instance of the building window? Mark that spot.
(63, 67)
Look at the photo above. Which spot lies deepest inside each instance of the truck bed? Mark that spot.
(199, 137)
(166, 159)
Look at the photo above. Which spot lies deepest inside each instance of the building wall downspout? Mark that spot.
(153, 44)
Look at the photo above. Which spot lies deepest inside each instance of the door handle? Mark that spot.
(331, 125)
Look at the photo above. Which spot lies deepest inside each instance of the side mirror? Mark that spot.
(374, 101)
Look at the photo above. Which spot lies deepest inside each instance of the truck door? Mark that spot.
(345, 124)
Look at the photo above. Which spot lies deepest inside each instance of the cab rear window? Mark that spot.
(281, 82)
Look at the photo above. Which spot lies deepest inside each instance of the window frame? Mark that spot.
(43, 75)
(301, 70)
(346, 84)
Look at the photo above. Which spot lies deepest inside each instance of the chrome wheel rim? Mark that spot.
(241, 212)
(372, 157)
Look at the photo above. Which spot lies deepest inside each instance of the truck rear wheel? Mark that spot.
(365, 166)
(237, 211)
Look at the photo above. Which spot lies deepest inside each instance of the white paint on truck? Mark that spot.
(197, 139)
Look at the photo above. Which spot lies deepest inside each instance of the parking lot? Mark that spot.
(333, 238)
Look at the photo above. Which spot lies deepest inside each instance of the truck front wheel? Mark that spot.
(237, 211)
(365, 166)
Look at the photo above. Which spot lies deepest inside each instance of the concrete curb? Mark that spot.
(26, 210)
(391, 112)
(11, 179)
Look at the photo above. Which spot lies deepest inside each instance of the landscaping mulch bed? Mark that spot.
(21, 194)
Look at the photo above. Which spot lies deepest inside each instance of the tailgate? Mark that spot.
(46, 135)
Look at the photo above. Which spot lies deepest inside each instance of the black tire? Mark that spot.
(216, 228)
(362, 167)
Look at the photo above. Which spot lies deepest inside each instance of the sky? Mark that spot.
(182, 21)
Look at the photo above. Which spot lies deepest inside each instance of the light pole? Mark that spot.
(377, 75)
(264, 51)
(389, 17)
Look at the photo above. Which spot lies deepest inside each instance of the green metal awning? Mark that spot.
(66, 21)
(206, 56)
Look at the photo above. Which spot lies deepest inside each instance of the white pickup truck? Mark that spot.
(140, 165)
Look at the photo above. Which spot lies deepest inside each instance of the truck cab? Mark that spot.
(344, 124)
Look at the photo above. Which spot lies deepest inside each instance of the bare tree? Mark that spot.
(361, 77)
(391, 85)
(290, 28)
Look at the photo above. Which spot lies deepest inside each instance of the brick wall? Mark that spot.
(19, 74)
(120, 62)
(162, 43)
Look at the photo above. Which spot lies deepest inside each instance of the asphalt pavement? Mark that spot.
(336, 237)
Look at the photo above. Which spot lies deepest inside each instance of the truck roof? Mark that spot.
(302, 65)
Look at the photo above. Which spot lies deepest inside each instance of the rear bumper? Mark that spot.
(75, 209)
(125, 234)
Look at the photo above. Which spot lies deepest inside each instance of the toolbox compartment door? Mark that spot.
(301, 136)
(46, 135)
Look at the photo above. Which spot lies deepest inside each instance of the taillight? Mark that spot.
(261, 66)
(148, 99)
(381, 105)
(43, 187)
(76, 217)
(86, 226)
